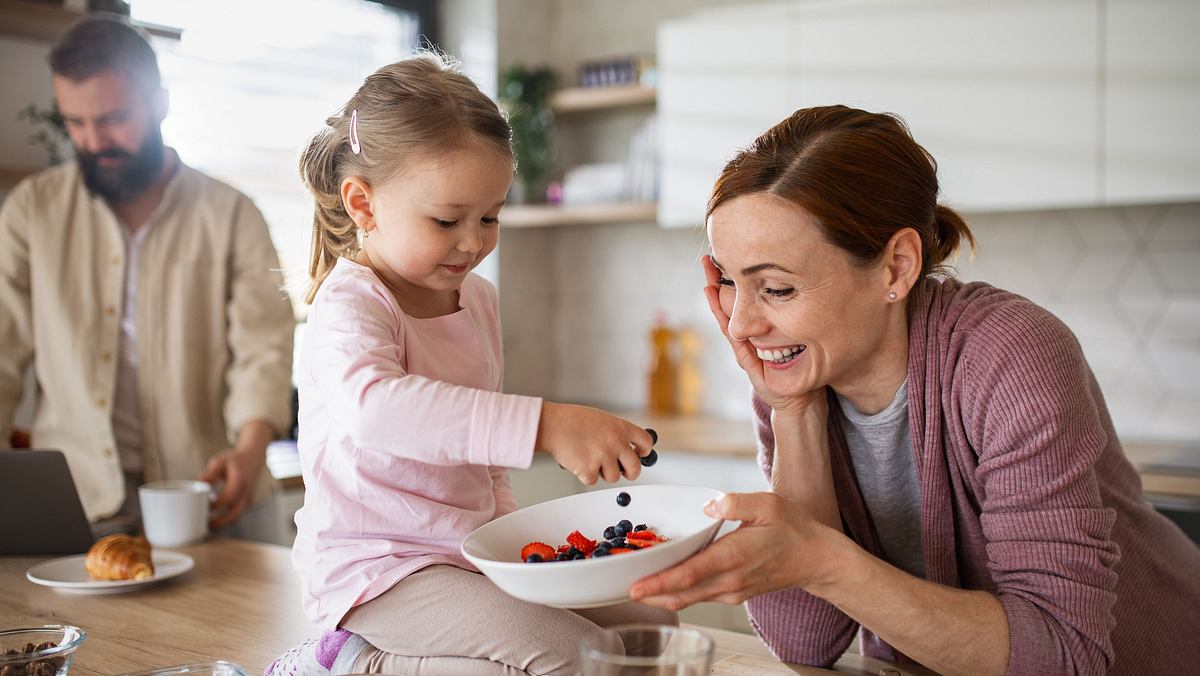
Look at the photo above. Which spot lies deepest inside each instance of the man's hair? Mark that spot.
(99, 43)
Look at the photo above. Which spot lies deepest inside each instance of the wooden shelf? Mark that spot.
(580, 99)
(10, 176)
(47, 21)
(545, 215)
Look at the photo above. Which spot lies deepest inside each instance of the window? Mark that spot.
(251, 82)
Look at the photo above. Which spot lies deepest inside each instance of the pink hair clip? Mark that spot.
(354, 143)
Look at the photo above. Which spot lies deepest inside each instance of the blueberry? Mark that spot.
(626, 524)
(573, 553)
(603, 545)
(610, 533)
(653, 436)
(533, 558)
(616, 542)
(623, 499)
(649, 459)
(563, 556)
(640, 527)
(621, 532)
(601, 551)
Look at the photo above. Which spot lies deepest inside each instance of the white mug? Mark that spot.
(174, 513)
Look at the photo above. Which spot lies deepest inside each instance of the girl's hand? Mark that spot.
(778, 546)
(746, 355)
(591, 443)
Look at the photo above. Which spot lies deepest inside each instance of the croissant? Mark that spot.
(119, 557)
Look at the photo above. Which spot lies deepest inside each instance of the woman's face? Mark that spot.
(814, 318)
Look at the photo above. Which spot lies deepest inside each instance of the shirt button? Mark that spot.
(105, 356)
(108, 453)
(116, 260)
(101, 402)
(111, 311)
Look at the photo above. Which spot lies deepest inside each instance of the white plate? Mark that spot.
(68, 574)
(674, 511)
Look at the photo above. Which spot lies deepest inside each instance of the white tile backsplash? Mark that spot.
(1125, 279)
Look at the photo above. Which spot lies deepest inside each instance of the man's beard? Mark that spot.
(121, 184)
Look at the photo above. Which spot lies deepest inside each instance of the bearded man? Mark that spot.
(146, 294)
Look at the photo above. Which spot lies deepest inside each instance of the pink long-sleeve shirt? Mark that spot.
(1025, 493)
(404, 437)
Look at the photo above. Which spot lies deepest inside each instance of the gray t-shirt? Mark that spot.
(881, 452)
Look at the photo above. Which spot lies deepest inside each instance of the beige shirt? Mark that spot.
(214, 327)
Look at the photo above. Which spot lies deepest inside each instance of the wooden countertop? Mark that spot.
(241, 603)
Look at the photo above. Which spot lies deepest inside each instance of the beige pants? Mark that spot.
(445, 620)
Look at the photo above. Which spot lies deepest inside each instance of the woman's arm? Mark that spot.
(952, 631)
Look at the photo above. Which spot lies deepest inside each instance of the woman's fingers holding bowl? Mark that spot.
(714, 572)
(735, 567)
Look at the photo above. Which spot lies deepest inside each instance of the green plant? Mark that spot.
(525, 97)
(49, 129)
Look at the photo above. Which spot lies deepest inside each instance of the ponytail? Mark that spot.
(950, 232)
(334, 232)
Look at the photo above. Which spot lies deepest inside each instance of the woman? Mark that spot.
(944, 471)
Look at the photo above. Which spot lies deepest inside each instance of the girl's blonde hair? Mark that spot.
(407, 110)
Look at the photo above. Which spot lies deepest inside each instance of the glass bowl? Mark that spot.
(218, 668)
(37, 661)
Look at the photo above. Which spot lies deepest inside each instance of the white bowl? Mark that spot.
(675, 512)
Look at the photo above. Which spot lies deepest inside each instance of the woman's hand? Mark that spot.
(777, 546)
(747, 355)
(591, 443)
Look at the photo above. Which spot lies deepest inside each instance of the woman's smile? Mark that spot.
(780, 357)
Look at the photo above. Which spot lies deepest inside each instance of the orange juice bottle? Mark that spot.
(660, 395)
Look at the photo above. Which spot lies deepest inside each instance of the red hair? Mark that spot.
(862, 175)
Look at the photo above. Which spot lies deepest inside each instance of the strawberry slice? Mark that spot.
(562, 549)
(540, 548)
(643, 535)
(581, 542)
(621, 550)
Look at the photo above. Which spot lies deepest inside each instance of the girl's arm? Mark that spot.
(356, 356)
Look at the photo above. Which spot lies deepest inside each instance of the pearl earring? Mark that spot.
(891, 295)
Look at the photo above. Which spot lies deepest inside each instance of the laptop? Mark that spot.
(40, 512)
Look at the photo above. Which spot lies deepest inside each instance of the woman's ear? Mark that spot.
(356, 200)
(902, 263)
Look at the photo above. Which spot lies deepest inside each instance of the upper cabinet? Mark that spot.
(1024, 105)
(1151, 101)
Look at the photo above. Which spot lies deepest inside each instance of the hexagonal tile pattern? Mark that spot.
(1180, 223)
(1179, 321)
(1105, 230)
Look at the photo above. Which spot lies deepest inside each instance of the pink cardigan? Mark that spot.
(1025, 493)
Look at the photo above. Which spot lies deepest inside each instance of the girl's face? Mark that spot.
(434, 223)
(814, 317)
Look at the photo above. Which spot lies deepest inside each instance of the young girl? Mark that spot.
(405, 435)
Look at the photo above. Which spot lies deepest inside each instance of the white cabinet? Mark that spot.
(1003, 95)
(724, 78)
(1151, 101)
(1024, 105)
